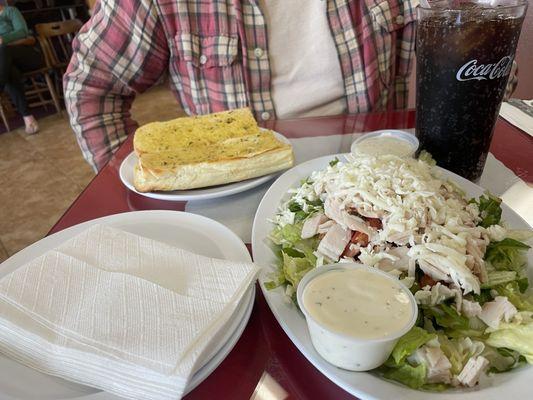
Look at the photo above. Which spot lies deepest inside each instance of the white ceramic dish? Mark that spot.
(363, 384)
(345, 351)
(409, 138)
(126, 176)
(188, 231)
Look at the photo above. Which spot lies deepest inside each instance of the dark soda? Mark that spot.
(464, 57)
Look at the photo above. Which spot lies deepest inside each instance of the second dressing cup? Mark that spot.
(387, 141)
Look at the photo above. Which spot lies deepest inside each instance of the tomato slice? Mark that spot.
(360, 238)
(427, 280)
(374, 223)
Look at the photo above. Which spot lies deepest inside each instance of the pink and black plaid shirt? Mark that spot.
(209, 48)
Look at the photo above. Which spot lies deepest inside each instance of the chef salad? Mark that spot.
(466, 269)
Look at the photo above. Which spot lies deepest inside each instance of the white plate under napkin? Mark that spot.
(99, 294)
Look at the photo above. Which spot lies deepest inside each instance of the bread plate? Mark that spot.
(212, 192)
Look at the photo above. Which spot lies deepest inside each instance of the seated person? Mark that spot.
(16, 56)
(281, 58)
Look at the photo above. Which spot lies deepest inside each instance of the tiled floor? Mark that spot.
(41, 175)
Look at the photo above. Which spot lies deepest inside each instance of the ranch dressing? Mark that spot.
(380, 145)
(358, 303)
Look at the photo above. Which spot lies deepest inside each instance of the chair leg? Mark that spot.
(53, 93)
(39, 94)
(4, 118)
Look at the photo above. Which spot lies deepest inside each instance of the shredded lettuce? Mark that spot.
(278, 279)
(414, 377)
(522, 301)
(447, 317)
(294, 268)
(311, 207)
(426, 157)
(514, 336)
(459, 350)
(453, 354)
(521, 235)
(296, 208)
(499, 278)
(287, 235)
(409, 343)
(398, 369)
(502, 359)
(435, 387)
(461, 333)
(507, 255)
(296, 255)
(289, 238)
(490, 209)
(483, 296)
(334, 162)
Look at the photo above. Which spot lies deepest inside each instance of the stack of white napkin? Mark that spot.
(119, 312)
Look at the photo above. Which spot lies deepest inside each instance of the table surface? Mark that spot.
(264, 358)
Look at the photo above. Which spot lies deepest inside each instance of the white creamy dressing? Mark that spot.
(380, 145)
(358, 303)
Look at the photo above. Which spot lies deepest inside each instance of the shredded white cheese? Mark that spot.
(417, 209)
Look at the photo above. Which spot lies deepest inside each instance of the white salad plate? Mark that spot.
(191, 232)
(212, 192)
(366, 385)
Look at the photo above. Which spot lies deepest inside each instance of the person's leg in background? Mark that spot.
(11, 80)
(15, 89)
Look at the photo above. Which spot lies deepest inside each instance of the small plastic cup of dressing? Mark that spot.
(388, 141)
(355, 313)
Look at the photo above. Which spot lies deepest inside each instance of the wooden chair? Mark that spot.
(90, 4)
(56, 41)
(6, 110)
(37, 89)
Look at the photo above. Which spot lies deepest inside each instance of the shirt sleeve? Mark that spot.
(121, 51)
(512, 82)
(20, 29)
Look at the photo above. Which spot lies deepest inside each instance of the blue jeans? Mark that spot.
(14, 60)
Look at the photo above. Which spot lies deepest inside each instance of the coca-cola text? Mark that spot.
(473, 70)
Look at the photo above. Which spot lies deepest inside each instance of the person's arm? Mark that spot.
(120, 52)
(20, 29)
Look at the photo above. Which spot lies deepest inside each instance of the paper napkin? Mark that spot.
(519, 113)
(119, 312)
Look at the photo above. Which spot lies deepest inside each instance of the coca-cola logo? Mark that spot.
(473, 70)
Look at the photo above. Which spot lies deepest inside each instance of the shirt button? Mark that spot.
(258, 51)
(203, 59)
(265, 116)
(399, 20)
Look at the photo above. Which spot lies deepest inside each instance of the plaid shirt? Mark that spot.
(210, 50)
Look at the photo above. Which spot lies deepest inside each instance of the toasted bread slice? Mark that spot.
(196, 152)
(199, 130)
(191, 176)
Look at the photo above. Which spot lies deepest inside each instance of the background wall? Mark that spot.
(525, 58)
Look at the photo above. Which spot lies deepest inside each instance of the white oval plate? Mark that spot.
(213, 192)
(191, 232)
(361, 384)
